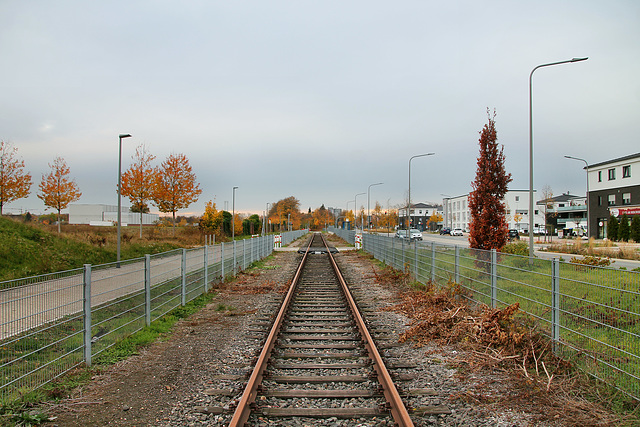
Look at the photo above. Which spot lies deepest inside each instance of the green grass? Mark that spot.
(27, 250)
(16, 408)
(599, 306)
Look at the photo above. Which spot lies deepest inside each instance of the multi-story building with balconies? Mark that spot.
(614, 189)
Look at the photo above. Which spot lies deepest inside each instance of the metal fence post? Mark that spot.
(206, 268)
(457, 265)
(393, 253)
(433, 261)
(402, 266)
(494, 278)
(183, 287)
(244, 254)
(415, 260)
(147, 289)
(555, 303)
(222, 260)
(234, 258)
(86, 308)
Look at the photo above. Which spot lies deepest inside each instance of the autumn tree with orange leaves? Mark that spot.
(56, 189)
(284, 210)
(321, 217)
(137, 183)
(175, 186)
(488, 226)
(14, 182)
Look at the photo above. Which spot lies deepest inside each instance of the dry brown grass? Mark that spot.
(502, 341)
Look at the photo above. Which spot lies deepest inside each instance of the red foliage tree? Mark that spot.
(488, 227)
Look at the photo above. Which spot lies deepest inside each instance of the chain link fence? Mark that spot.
(591, 314)
(55, 322)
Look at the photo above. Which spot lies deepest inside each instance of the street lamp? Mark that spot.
(120, 138)
(586, 166)
(264, 221)
(355, 209)
(368, 207)
(233, 215)
(531, 211)
(409, 201)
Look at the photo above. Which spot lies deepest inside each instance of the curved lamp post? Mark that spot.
(120, 138)
(368, 201)
(531, 211)
(409, 201)
(586, 166)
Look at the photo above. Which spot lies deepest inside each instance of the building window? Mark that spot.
(517, 198)
(612, 174)
(626, 171)
(599, 200)
(612, 200)
(626, 198)
(599, 176)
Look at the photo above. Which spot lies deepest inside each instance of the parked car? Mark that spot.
(445, 230)
(514, 235)
(456, 232)
(415, 234)
(412, 234)
(402, 234)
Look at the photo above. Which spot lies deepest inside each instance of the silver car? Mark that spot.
(456, 232)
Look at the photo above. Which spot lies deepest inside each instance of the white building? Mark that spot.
(457, 214)
(420, 214)
(614, 190)
(107, 215)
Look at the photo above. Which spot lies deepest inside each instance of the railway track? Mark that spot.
(319, 359)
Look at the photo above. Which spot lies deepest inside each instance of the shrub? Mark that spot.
(623, 229)
(592, 260)
(612, 228)
(516, 248)
(635, 228)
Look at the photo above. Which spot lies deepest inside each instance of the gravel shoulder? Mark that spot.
(170, 382)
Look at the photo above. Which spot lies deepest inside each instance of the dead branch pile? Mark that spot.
(500, 340)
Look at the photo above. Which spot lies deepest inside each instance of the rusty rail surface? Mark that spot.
(394, 403)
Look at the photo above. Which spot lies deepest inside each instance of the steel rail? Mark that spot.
(243, 410)
(398, 410)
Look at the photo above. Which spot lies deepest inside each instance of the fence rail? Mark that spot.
(52, 323)
(591, 314)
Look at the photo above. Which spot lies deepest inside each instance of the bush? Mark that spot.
(592, 260)
(517, 248)
(635, 228)
(612, 228)
(623, 229)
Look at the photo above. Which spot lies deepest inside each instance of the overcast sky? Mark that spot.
(317, 99)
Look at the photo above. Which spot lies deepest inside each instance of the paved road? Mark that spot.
(538, 251)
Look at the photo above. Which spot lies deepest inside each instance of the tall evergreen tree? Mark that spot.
(623, 229)
(488, 227)
(612, 228)
(635, 228)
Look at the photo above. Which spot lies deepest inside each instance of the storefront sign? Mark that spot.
(634, 210)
